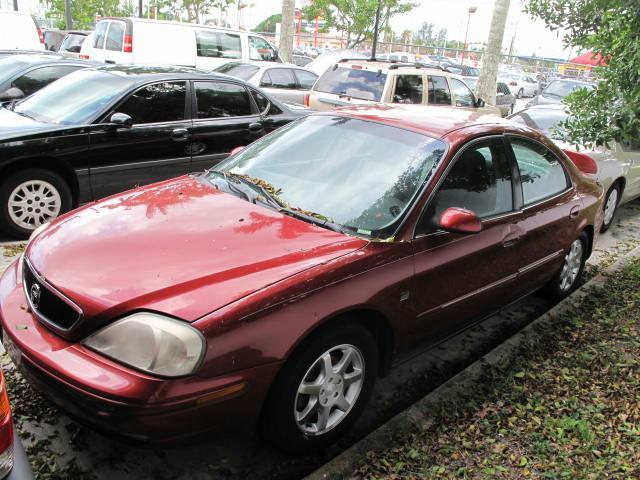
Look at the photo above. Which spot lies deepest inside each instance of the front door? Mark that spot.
(225, 118)
(155, 148)
(460, 277)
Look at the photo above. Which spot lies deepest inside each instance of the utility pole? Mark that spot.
(376, 27)
(68, 20)
(486, 88)
(466, 32)
(15, 5)
(140, 9)
(287, 30)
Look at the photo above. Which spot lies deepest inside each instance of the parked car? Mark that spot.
(330, 58)
(399, 57)
(86, 47)
(101, 131)
(557, 90)
(368, 81)
(22, 75)
(618, 166)
(14, 464)
(153, 42)
(286, 82)
(301, 60)
(462, 70)
(505, 100)
(20, 31)
(72, 43)
(53, 39)
(278, 285)
(522, 84)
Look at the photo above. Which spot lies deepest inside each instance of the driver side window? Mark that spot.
(462, 96)
(479, 181)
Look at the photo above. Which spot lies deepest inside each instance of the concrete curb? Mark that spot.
(417, 417)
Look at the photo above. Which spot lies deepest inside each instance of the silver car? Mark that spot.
(286, 82)
(505, 100)
(618, 166)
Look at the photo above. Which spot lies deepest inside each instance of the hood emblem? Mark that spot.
(35, 294)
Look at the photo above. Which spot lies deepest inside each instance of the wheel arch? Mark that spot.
(590, 231)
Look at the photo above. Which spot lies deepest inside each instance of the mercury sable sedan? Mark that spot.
(278, 285)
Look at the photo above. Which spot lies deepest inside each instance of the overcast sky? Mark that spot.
(531, 37)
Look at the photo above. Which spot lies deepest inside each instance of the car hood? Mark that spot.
(13, 125)
(180, 247)
(546, 100)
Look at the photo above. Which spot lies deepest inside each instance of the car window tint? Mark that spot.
(408, 89)
(160, 102)
(40, 77)
(210, 43)
(306, 79)
(462, 96)
(279, 78)
(541, 173)
(260, 49)
(72, 43)
(98, 38)
(351, 82)
(115, 37)
(261, 101)
(221, 100)
(243, 71)
(439, 91)
(479, 181)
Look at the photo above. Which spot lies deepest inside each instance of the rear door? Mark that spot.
(155, 148)
(282, 84)
(97, 52)
(224, 117)
(114, 43)
(215, 48)
(438, 92)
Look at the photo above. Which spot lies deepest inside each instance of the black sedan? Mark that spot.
(22, 75)
(100, 131)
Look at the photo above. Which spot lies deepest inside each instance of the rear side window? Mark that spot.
(408, 89)
(260, 49)
(243, 71)
(115, 37)
(72, 43)
(222, 100)
(261, 101)
(461, 94)
(160, 102)
(439, 93)
(41, 77)
(279, 78)
(214, 44)
(361, 84)
(306, 79)
(98, 37)
(541, 173)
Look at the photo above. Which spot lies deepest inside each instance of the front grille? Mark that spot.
(50, 306)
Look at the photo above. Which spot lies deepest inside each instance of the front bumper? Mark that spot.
(114, 398)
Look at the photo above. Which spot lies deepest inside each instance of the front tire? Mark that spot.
(567, 279)
(610, 207)
(322, 389)
(31, 197)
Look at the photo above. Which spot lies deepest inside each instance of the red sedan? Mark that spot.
(278, 285)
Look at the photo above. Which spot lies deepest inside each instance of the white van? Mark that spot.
(152, 42)
(19, 31)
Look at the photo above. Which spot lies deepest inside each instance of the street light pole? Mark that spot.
(140, 11)
(68, 20)
(466, 32)
(375, 31)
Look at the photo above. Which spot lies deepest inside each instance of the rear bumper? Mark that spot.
(118, 400)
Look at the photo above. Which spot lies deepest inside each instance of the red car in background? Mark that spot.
(279, 284)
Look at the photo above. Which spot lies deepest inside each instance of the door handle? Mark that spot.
(510, 241)
(575, 211)
(180, 135)
(255, 127)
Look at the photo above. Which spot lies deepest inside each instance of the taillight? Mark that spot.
(584, 162)
(306, 100)
(6, 431)
(84, 57)
(513, 84)
(40, 34)
(128, 44)
(356, 67)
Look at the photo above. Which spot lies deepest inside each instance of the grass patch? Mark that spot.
(568, 408)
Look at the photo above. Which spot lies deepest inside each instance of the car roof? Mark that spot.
(397, 68)
(433, 121)
(142, 73)
(42, 58)
(179, 24)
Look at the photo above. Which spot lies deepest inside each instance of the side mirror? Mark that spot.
(480, 103)
(236, 150)
(459, 220)
(121, 120)
(500, 94)
(13, 93)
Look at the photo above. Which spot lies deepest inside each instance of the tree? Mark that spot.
(357, 17)
(83, 12)
(287, 30)
(424, 36)
(269, 23)
(196, 8)
(487, 83)
(610, 28)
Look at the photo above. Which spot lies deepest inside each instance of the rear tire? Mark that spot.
(610, 208)
(31, 197)
(315, 399)
(567, 279)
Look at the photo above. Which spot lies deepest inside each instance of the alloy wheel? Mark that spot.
(571, 266)
(329, 389)
(33, 203)
(610, 206)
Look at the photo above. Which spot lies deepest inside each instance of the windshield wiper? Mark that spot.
(315, 219)
(233, 188)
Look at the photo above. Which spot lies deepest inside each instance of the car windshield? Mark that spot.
(10, 66)
(74, 99)
(360, 175)
(243, 71)
(562, 88)
(352, 82)
(544, 120)
(72, 43)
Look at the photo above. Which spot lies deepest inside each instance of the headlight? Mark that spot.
(38, 231)
(152, 343)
